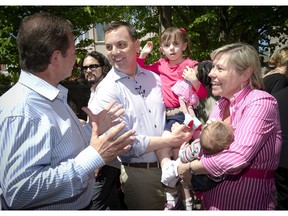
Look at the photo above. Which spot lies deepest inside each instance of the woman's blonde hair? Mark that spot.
(279, 58)
(242, 56)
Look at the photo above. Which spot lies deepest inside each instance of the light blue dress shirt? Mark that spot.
(143, 104)
(46, 160)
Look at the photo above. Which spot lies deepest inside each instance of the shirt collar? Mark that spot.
(240, 95)
(42, 87)
(118, 75)
(234, 102)
(92, 90)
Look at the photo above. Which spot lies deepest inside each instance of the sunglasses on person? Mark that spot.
(92, 67)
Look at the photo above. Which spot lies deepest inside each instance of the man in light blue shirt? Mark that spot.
(46, 160)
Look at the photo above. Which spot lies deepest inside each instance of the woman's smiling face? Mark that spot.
(226, 81)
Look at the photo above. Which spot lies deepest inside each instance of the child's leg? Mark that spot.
(173, 202)
(164, 154)
(190, 110)
(196, 123)
(188, 198)
(188, 121)
(183, 106)
(168, 177)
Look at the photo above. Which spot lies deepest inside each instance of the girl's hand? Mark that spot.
(146, 49)
(190, 74)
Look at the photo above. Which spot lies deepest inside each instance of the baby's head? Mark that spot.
(216, 137)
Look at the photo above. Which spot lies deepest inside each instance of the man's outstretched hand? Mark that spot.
(105, 119)
(110, 145)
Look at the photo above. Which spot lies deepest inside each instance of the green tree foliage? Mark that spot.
(208, 26)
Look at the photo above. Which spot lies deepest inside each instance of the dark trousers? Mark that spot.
(170, 120)
(281, 182)
(107, 194)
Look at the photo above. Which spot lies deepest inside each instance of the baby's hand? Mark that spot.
(210, 121)
(190, 74)
(184, 145)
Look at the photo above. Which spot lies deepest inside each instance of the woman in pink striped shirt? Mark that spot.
(249, 164)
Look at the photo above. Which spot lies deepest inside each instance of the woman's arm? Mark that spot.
(185, 170)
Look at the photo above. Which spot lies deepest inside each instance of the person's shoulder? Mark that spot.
(282, 92)
(145, 70)
(190, 62)
(163, 60)
(107, 81)
(273, 74)
(15, 104)
(258, 94)
(150, 73)
(13, 94)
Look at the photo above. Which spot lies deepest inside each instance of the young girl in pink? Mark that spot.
(174, 45)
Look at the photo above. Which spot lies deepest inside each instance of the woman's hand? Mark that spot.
(184, 173)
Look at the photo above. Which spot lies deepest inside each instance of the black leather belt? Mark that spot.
(143, 165)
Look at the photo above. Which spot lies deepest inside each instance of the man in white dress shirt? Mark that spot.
(139, 91)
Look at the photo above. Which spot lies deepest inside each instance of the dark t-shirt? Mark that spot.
(282, 99)
(275, 82)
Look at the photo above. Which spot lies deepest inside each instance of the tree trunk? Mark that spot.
(165, 17)
(223, 22)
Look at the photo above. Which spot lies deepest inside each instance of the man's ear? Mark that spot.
(137, 44)
(55, 57)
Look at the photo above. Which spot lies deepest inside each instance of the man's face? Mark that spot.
(122, 50)
(92, 70)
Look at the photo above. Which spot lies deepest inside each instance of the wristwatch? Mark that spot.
(190, 169)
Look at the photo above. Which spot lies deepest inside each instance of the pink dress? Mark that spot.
(184, 90)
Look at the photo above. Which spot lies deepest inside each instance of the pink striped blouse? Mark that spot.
(254, 115)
